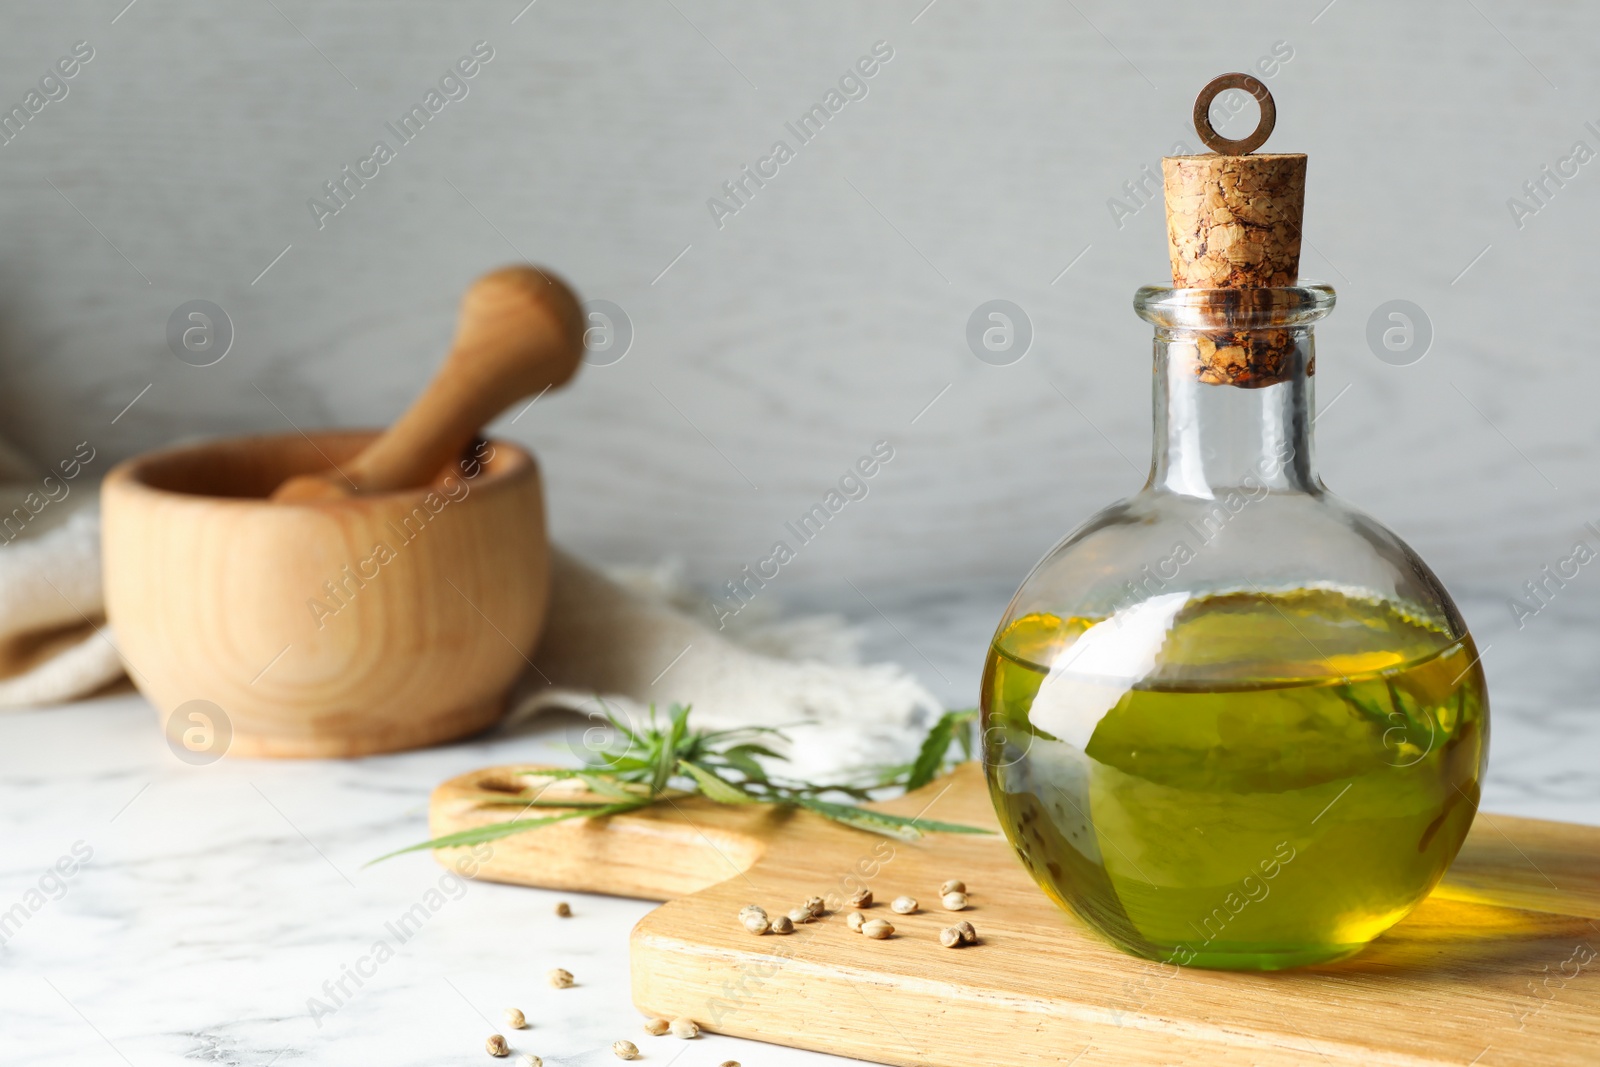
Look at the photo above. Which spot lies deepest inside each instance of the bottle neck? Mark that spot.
(1214, 437)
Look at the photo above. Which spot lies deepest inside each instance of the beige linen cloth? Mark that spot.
(629, 638)
(50, 600)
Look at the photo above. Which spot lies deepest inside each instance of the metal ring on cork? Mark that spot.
(1202, 114)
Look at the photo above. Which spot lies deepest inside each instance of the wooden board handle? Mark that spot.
(659, 853)
(520, 333)
(667, 851)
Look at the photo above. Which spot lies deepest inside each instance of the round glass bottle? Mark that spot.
(1231, 721)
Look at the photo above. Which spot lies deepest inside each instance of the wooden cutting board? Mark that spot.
(1499, 966)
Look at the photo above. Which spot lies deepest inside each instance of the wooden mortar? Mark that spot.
(369, 618)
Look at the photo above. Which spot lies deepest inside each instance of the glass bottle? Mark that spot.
(1232, 721)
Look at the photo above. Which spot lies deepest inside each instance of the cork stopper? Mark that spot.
(1233, 222)
(1233, 219)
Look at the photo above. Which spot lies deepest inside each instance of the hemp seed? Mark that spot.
(855, 921)
(903, 905)
(564, 910)
(625, 1050)
(801, 914)
(954, 885)
(530, 1060)
(950, 937)
(878, 929)
(561, 978)
(497, 1046)
(954, 901)
(783, 925)
(515, 1019)
(755, 922)
(685, 1028)
(968, 934)
(656, 1027)
(861, 898)
(816, 906)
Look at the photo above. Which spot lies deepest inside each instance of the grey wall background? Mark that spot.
(770, 353)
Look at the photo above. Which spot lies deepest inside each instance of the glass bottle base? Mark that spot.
(1244, 957)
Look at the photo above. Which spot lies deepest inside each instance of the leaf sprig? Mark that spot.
(663, 762)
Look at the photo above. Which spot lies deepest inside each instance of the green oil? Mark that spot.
(1243, 781)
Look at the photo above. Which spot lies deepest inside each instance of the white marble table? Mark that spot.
(217, 900)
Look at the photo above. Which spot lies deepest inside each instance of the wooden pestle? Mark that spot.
(520, 333)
